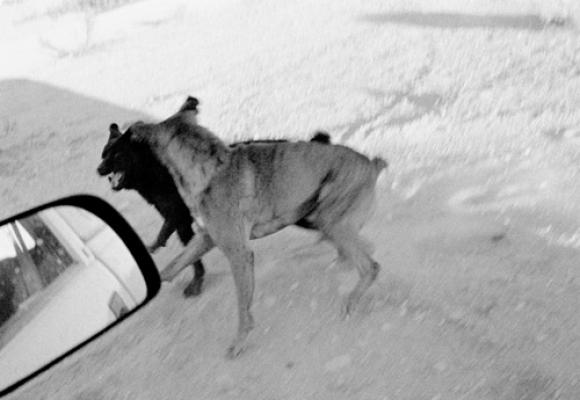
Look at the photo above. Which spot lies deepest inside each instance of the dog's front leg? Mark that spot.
(242, 264)
(165, 232)
(195, 249)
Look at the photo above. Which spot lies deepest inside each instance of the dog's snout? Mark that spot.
(102, 170)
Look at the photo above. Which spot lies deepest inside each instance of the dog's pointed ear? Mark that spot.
(190, 104)
(114, 132)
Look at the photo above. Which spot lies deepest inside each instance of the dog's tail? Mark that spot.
(321, 137)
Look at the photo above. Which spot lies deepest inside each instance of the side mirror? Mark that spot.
(69, 271)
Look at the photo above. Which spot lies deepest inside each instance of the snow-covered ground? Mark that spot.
(474, 103)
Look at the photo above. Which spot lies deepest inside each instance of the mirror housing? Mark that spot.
(107, 253)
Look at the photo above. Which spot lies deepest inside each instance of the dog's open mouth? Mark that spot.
(116, 180)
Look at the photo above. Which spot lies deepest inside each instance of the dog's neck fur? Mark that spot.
(192, 170)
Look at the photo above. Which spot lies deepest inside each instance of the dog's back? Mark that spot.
(281, 183)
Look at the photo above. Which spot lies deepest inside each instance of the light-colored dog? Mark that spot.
(249, 191)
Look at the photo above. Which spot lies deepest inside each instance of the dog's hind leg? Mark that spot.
(354, 250)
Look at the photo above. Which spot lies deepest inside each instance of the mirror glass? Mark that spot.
(64, 276)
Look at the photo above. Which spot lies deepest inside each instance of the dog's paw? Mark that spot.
(152, 248)
(238, 346)
(345, 311)
(347, 308)
(193, 289)
(235, 349)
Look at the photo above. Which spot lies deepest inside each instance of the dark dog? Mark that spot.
(135, 167)
(250, 191)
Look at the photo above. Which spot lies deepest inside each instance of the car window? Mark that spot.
(31, 258)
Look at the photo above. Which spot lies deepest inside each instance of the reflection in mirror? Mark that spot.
(64, 276)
